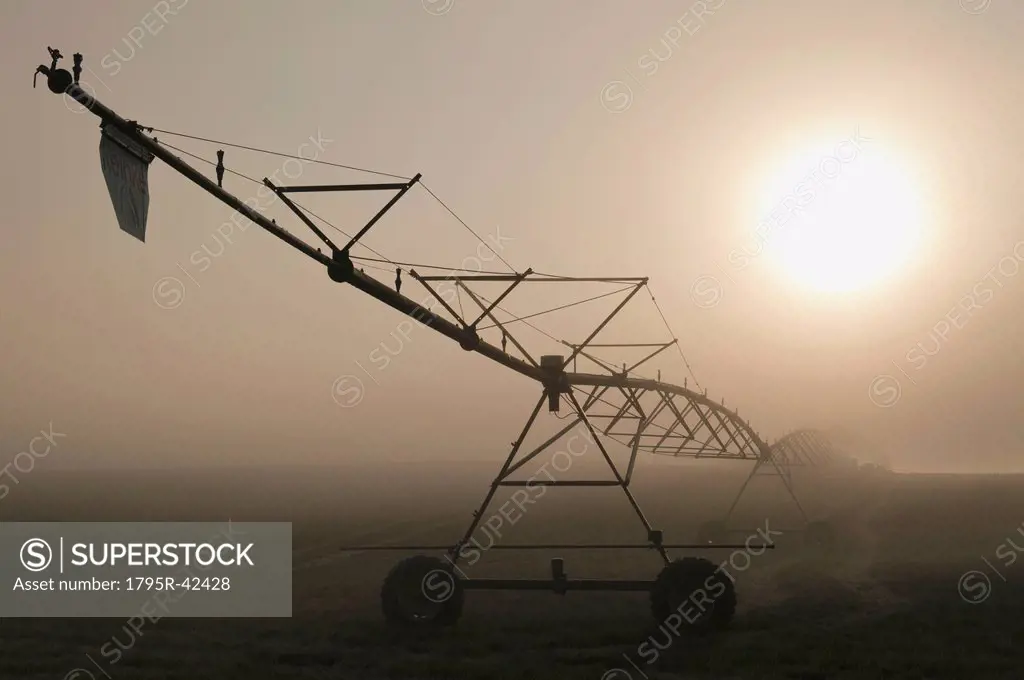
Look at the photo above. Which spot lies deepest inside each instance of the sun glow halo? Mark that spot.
(851, 223)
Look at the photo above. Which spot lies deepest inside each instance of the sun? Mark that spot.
(840, 217)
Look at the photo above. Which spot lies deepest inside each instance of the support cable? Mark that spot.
(244, 176)
(383, 258)
(557, 309)
(274, 153)
(674, 337)
(416, 265)
(468, 228)
(336, 165)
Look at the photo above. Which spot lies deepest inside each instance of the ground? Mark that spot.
(891, 602)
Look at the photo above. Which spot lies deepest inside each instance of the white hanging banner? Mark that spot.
(125, 166)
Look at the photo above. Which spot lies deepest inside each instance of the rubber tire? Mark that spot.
(712, 532)
(677, 583)
(410, 575)
(820, 535)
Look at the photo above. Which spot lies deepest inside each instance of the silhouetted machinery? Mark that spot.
(614, 405)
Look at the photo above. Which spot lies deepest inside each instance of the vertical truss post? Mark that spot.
(437, 297)
(489, 314)
(380, 213)
(478, 515)
(600, 327)
(487, 311)
(746, 482)
(769, 457)
(653, 536)
(641, 425)
(792, 494)
(301, 215)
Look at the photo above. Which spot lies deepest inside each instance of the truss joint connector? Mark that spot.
(556, 382)
(341, 267)
(470, 339)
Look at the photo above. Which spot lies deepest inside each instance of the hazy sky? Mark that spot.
(603, 138)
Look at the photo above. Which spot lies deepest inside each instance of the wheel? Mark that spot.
(712, 532)
(422, 592)
(820, 535)
(694, 595)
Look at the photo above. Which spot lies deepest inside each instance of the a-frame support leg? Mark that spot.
(478, 515)
(782, 474)
(510, 466)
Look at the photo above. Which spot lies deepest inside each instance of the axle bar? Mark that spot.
(556, 585)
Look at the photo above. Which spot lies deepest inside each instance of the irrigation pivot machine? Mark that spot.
(615, 404)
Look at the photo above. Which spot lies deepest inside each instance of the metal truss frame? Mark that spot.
(615, 404)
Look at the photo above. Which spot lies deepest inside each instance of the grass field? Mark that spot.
(889, 603)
